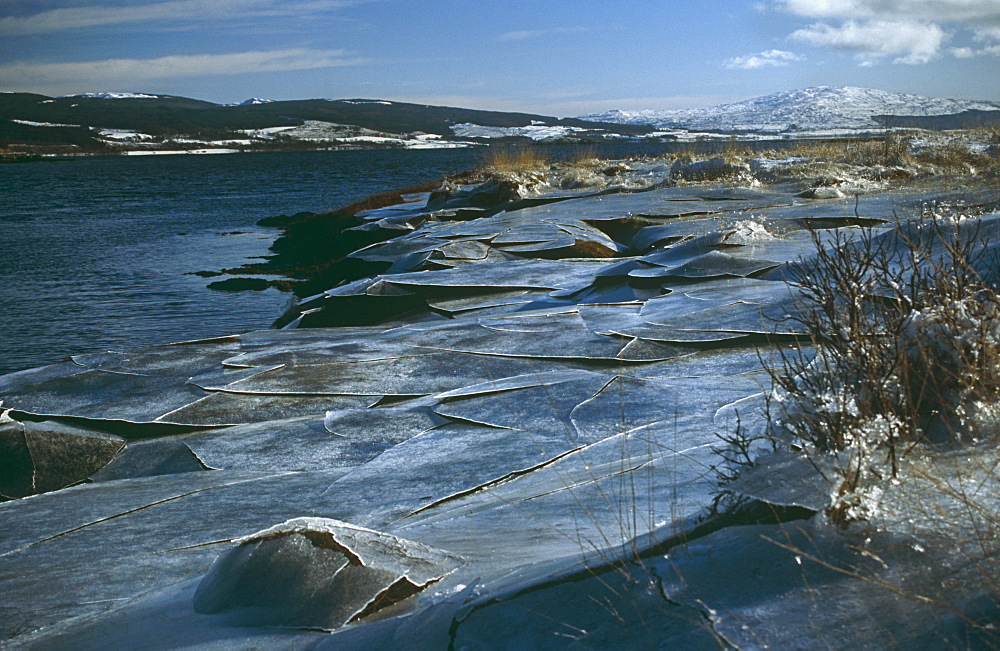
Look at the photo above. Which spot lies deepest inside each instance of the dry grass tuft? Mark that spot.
(507, 161)
(954, 156)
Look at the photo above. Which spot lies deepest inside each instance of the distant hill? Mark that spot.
(154, 114)
(37, 119)
(821, 108)
(137, 122)
(401, 117)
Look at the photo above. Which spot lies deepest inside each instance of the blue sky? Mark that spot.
(555, 57)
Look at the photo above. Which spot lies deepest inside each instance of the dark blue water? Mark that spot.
(94, 252)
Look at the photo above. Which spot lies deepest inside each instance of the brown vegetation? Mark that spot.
(507, 161)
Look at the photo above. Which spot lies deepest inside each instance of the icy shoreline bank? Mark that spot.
(543, 397)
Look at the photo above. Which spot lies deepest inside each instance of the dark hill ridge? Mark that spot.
(159, 115)
(168, 115)
(402, 117)
(971, 119)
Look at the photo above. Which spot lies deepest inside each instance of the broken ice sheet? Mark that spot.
(627, 404)
(529, 233)
(431, 467)
(101, 395)
(37, 457)
(787, 479)
(450, 478)
(717, 263)
(528, 380)
(526, 274)
(226, 408)
(456, 306)
(305, 347)
(464, 250)
(420, 374)
(386, 426)
(543, 408)
(592, 498)
(392, 250)
(670, 335)
(670, 202)
(317, 573)
(732, 317)
(562, 334)
(150, 459)
(292, 444)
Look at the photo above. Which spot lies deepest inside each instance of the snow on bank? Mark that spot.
(266, 132)
(44, 124)
(124, 135)
(536, 132)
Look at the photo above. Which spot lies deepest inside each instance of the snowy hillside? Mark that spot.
(810, 109)
(114, 96)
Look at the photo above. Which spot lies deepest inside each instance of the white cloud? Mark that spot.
(520, 35)
(962, 52)
(71, 18)
(910, 42)
(126, 72)
(911, 31)
(768, 59)
(969, 12)
(525, 34)
(988, 34)
(820, 8)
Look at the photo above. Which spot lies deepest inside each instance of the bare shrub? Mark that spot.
(905, 332)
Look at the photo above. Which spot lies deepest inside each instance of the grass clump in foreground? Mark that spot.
(509, 161)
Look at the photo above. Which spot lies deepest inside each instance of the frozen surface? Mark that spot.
(516, 450)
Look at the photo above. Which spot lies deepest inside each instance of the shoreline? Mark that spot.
(784, 138)
(535, 401)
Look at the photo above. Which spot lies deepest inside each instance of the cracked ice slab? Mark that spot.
(528, 274)
(317, 573)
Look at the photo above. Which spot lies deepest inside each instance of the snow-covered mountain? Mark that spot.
(820, 108)
(253, 101)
